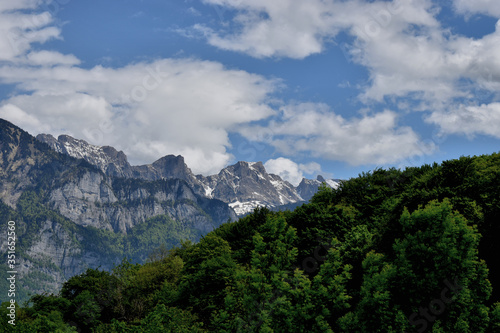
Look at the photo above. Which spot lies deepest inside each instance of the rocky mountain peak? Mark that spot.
(51, 141)
(242, 169)
(247, 185)
(308, 187)
(243, 185)
(107, 159)
(114, 163)
(115, 155)
(172, 166)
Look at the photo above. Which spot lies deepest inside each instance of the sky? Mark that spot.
(330, 87)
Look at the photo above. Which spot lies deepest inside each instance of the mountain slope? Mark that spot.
(244, 185)
(70, 215)
(247, 185)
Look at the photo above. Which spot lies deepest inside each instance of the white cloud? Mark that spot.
(148, 109)
(310, 168)
(19, 28)
(402, 44)
(291, 171)
(50, 58)
(313, 128)
(17, 116)
(67, 113)
(170, 106)
(297, 29)
(19, 4)
(290, 28)
(469, 120)
(487, 7)
(427, 63)
(193, 11)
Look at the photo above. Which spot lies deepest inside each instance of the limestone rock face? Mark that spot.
(107, 159)
(243, 186)
(246, 185)
(71, 200)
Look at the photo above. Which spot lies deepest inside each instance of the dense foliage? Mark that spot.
(388, 251)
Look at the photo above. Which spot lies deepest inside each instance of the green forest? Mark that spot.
(411, 250)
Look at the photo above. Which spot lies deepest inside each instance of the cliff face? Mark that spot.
(244, 185)
(110, 161)
(71, 215)
(115, 164)
(120, 204)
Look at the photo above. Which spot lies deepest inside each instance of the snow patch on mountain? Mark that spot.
(332, 183)
(242, 208)
(208, 191)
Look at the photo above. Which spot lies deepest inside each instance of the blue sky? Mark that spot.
(308, 87)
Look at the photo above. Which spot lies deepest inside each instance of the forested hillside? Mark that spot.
(70, 216)
(388, 251)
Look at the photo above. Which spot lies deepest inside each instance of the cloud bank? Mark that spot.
(317, 130)
(405, 48)
(169, 106)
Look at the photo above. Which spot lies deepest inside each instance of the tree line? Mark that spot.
(392, 250)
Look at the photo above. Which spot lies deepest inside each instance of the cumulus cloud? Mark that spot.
(469, 120)
(314, 128)
(148, 109)
(291, 171)
(289, 28)
(426, 62)
(407, 51)
(169, 106)
(400, 42)
(297, 29)
(19, 116)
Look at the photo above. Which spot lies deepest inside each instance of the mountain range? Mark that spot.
(244, 185)
(78, 205)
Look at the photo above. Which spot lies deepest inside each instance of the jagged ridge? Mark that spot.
(244, 185)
